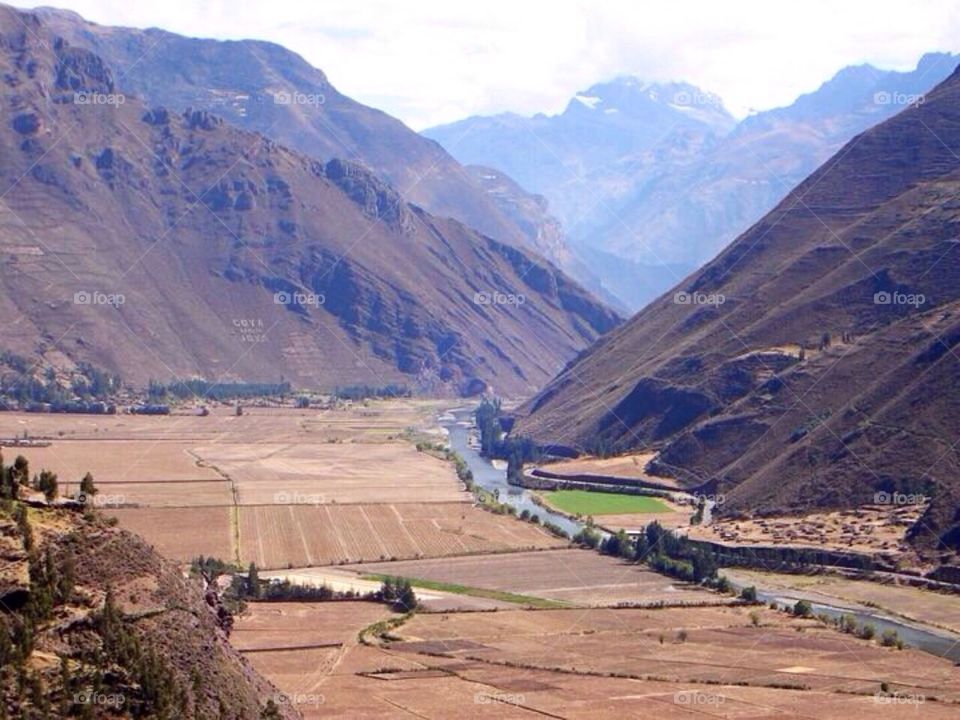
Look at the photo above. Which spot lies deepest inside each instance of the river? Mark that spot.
(459, 425)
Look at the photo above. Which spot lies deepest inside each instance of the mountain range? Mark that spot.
(810, 364)
(162, 241)
(652, 180)
(266, 88)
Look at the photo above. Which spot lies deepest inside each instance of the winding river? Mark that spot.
(459, 426)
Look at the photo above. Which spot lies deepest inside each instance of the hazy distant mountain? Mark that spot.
(161, 243)
(811, 363)
(264, 87)
(661, 176)
(600, 136)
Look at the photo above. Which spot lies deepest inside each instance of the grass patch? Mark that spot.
(585, 502)
(485, 593)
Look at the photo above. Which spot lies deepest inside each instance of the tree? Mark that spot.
(87, 489)
(270, 711)
(406, 599)
(704, 567)
(388, 590)
(253, 581)
(21, 470)
(47, 484)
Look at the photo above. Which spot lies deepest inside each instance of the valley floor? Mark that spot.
(514, 623)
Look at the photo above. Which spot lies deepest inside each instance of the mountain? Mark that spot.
(160, 243)
(642, 216)
(586, 154)
(532, 215)
(96, 624)
(265, 88)
(812, 363)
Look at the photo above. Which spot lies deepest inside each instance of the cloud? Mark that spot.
(432, 61)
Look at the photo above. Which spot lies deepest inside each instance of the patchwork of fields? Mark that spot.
(281, 487)
(666, 663)
(514, 623)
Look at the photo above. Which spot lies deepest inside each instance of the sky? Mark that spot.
(435, 61)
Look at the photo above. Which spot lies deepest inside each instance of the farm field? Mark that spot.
(581, 577)
(164, 493)
(181, 533)
(634, 522)
(712, 662)
(304, 535)
(622, 466)
(584, 502)
(299, 645)
(279, 473)
(279, 486)
(116, 461)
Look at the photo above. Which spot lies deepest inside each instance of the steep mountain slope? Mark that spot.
(266, 88)
(652, 212)
(164, 244)
(860, 267)
(96, 624)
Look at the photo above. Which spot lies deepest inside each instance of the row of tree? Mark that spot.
(16, 476)
(658, 548)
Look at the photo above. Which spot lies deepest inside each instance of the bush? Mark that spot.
(803, 609)
(749, 594)
(889, 638)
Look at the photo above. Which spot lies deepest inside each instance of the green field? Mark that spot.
(584, 502)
